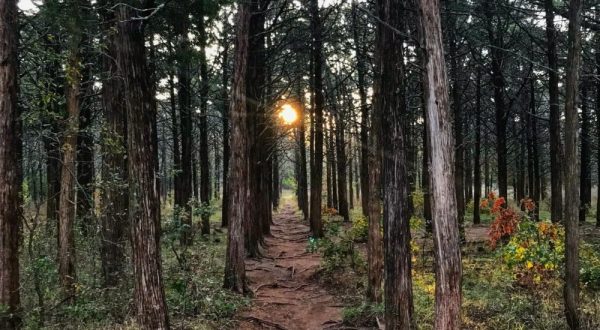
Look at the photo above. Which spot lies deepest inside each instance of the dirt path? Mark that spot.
(286, 295)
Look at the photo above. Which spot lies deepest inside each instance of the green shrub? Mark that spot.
(360, 229)
(590, 267)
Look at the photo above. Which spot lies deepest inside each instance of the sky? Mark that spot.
(26, 4)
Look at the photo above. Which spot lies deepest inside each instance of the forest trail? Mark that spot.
(286, 293)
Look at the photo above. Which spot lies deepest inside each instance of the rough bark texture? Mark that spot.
(115, 195)
(235, 277)
(375, 154)
(571, 288)
(597, 60)
(441, 147)
(144, 197)
(10, 168)
(316, 175)
(556, 210)
(67, 208)
(391, 104)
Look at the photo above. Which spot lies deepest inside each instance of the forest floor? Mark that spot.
(287, 293)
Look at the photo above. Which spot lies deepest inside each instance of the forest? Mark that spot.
(299, 164)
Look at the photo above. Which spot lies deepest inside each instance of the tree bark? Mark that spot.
(185, 183)
(10, 168)
(204, 153)
(585, 177)
(441, 146)
(571, 288)
(144, 197)
(67, 206)
(556, 208)
(235, 277)
(316, 175)
(115, 194)
(391, 104)
(225, 123)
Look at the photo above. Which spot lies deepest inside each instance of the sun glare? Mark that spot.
(288, 114)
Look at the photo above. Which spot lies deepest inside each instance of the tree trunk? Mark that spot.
(556, 209)
(235, 277)
(441, 157)
(364, 110)
(225, 122)
(67, 208)
(391, 104)
(144, 197)
(501, 113)
(316, 175)
(115, 194)
(571, 288)
(184, 97)
(597, 60)
(456, 104)
(204, 153)
(585, 177)
(342, 174)
(477, 165)
(10, 168)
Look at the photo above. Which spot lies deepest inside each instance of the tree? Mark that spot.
(556, 211)
(391, 104)
(115, 194)
(67, 206)
(441, 158)
(571, 288)
(235, 277)
(144, 197)
(10, 169)
(316, 171)
(184, 186)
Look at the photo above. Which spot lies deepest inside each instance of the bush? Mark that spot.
(590, 267)
(363, 315)
(360, 229)
(336, 247)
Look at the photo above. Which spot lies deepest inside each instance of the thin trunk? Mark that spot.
(556, 209)
(498, 81)
(477, 165)
(184, 94)
(204, 154)
(364, 111)
(585, 177)
(10, 169)
(342, 173)
(316, 177)
(144, 197)
(441, 145)
(225, 123)
(571, 288)
(67, 208)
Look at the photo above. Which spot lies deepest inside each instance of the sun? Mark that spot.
(288, 114)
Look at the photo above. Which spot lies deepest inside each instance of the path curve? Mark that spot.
(286, 294)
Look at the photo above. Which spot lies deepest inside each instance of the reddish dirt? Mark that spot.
(286, 293)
